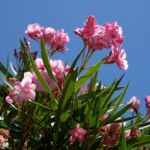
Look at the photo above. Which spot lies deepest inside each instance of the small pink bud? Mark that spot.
(147, 100)
(135, 103)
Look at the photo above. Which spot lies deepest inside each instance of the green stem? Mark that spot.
(87, 58)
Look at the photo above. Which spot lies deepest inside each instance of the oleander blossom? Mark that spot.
(59, 41)
(135, 103)
(4, 135)
(56, 40)
(147, 100)
(114, 33)
(134, 132)
(35, 31)
(98, 37)
(117, 56)
(110, 134)
(76, 134)
(59, 70)
(22, 91)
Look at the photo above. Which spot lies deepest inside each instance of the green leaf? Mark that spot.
(93, 82)
(22, 47)
(41, 78)
(139, 142)
(76, 59)
(5, 71)
(45, 59)
(67, 92)
(92, 70)
(64, 116)
(118, 114)
(107, 94)
(120, 99)
(125, 119)
(38, 104)
(69, 88)
(122, 144)
(64, 102)
(25, 60)
(66, 95)
(139, 122)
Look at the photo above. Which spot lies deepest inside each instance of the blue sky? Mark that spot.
(132, 15)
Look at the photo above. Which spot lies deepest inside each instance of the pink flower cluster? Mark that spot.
(98, 37)
(22, 90)
(77, 134)
(110, 134)
(25, 89)
(59, 71)
(147, 100)
(55, 39)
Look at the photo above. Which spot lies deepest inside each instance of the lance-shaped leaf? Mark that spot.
(22, 47)
(5, 71)
(45, 59)
(122, 144)
(91, 71)
(139, 142)
(120, 99)
(38, 104)
(41, 78)
(64, 102)
(67, 92)
(76, 60)
(118, 114)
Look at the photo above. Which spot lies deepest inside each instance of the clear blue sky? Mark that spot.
(132, 15)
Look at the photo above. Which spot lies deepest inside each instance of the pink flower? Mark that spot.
(99, 37)
(119, 57)
(59, 41)
(77, 134)
(2, 142)
(99, 40)
(59, 71)
(134, 132)
(23, 90)
(110, 134)
(89, 28)
(127, 135)
(4, 134)
(39, 86)
(49, 34)
(104, 118)
(89, 33)
(35, 31)
(9, 99)
(114, 33)
(147, 100)
(86, 89)
(55, 40)
(135, 103)
(39, 63)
